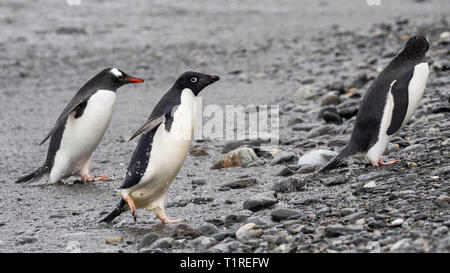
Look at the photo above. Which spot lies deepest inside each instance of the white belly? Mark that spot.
(169, 150)
(416, 89)
(82, 135)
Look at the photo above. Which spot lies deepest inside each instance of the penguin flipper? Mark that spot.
(78, 103)
(116, 212)
(399, 91)
(346, 152)
(148, 126)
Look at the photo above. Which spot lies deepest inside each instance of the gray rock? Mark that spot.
(370, 185)
(237, 218)
(397, 222)
(199, 182)
(321, 131)
(261, 201)
(335, 180)
(208, 229)
(304, 92)
(240, 157)
(223, 235)
(165, 242)
(289, 185)
(148, 240)
(443, 200)
(355, 216)
(185, 231)
(304, 126)
(401, 245)
(202, 242)
(241, 183)
(283, 214)
(316, 157)
(414, 148)
(283, 171)
(338, 229)
(236, 144)
(346, 211)
(283, 157)
(247, 232)
(330, 98)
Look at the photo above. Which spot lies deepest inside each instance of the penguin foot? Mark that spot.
(130, 203)
(88, 178)
(104, 177)
(163, 217)
(388, 163)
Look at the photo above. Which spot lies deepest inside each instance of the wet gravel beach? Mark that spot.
(315, 59)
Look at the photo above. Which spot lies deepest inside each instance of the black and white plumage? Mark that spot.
(389, 103)
(80, 127)
(162, 148)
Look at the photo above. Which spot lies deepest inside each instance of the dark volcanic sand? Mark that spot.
(48, 50)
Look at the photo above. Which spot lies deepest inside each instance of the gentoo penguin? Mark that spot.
(389, 103)
(162, 148)
(80, 128)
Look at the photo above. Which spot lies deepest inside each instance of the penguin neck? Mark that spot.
(406, 56)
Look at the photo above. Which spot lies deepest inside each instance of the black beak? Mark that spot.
(214, 78)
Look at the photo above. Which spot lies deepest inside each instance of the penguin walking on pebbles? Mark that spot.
(80, 128)
(162, 148)
(389, 103)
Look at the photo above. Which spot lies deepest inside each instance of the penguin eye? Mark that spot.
(120, 77)
(194, 80)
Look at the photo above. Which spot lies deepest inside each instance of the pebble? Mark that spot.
(283, 157)
(240, 157)
(397, 222)
(113, 240)
(208, 229)
(260, 201)
(443, 200)
(148, 240)
(165, 242)
(283, 171)
(321, 131)
(240, 183)
(230, 146)
(338, 229)
(316, 157)
(283, 214)
(247, 232)
(304, 92)
(184, 230)
(370, 185)
(289, 185)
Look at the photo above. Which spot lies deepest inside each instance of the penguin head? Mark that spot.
(113, 78)
(417, 46)
(195, 81)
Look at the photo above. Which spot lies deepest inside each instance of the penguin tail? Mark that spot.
(116, 212)
(32, 176)
(346, 152)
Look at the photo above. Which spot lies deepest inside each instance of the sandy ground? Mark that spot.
(49, 49)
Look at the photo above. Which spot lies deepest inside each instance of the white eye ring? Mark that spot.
(194, 80)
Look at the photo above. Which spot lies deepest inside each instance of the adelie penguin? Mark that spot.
(162, 148)
(80, 128)
(389, 103)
